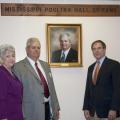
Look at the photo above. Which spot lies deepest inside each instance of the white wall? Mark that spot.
(69, 82)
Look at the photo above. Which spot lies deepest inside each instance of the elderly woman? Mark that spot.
(11, 89)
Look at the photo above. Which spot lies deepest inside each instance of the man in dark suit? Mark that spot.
(102, 95)
(66, 53)
(40, 101)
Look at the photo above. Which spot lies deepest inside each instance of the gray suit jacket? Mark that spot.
(33, 94)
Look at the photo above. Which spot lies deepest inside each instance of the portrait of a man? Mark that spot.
(64, 45)
(66, 53)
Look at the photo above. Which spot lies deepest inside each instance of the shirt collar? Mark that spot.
(101, 60)
(31, 61)
(66, 51)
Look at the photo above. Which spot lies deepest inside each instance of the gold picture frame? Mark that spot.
(54, 33)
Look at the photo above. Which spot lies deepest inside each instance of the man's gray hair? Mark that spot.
(31, 40)
(3, 49)
(65, 34)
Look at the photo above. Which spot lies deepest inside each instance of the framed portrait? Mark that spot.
(64, 45)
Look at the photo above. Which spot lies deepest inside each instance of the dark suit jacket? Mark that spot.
(11, 91)
(71, 57)
(105, 95)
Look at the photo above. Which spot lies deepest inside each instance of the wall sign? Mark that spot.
(16, 9)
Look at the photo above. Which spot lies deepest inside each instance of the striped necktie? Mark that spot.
(62, 59)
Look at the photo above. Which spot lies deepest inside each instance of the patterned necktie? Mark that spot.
(62, 59)
(95, 75)
(46, 90)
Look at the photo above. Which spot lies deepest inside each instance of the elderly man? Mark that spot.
(39, 97)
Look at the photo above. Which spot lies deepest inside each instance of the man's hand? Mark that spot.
(58, 114)
(87, 114)
(112, 115)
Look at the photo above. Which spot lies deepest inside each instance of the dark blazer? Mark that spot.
(71, 57)
(105, 95)
(11, 91)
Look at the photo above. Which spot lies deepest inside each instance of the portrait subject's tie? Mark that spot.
(62, 59)
(43, 80)
(95, 75)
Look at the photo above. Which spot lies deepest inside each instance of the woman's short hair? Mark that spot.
(3, 49)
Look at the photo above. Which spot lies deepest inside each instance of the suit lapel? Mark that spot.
(59, 55)
(91, 72)
(43, 67)
(68, 55)
(30, 68)
(102, 68)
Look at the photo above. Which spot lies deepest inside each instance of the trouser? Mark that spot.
(97, 118)
(47, 111)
